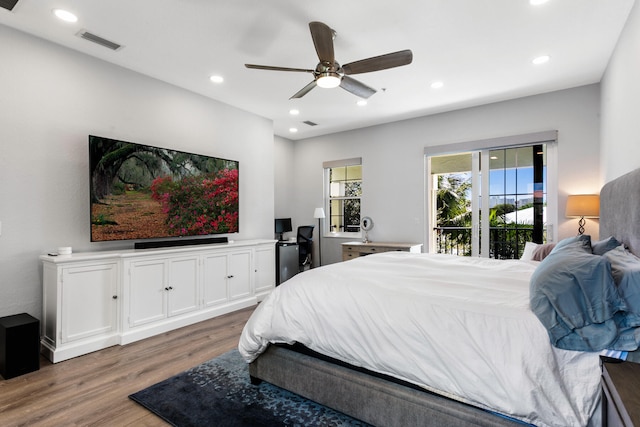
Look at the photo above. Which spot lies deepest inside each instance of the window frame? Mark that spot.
(550, 138)
(327, 166)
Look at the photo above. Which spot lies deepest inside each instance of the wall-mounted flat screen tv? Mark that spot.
(144, 192)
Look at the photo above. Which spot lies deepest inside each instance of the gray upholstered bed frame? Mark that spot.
(620, 210)
(384, 403)
(368, 398)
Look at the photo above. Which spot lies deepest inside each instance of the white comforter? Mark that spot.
(457, 326)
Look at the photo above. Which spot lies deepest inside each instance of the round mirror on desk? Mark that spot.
(366, 224)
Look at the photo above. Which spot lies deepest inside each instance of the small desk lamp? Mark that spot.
(583, 206)
(319, 213)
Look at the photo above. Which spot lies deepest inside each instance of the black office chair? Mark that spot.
(305, 245)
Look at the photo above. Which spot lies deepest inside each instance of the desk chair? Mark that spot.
(305, 245)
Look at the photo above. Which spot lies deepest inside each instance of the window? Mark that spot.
(513, 174)
(517, 199)
(343, 193)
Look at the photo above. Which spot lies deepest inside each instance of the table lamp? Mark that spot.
(583, 206)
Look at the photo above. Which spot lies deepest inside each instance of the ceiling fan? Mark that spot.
(328, 73)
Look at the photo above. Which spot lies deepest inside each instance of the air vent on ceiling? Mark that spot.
(8, 4)
(310, 123)
(98, 40)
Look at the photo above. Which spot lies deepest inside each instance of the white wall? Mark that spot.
(621, 103)
(284, 180)
(393, 161)
(51, 99)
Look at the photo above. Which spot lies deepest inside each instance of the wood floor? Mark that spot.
(93, 389)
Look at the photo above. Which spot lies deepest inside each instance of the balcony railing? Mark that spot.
(453, 240)
(504, 242)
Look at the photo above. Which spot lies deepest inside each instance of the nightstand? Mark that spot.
(621, 386)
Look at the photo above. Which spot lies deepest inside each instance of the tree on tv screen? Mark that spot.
(139, 191)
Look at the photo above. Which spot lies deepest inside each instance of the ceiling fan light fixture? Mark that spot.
(330, 74)
(328, 80)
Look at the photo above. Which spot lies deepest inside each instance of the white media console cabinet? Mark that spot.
(95, 300)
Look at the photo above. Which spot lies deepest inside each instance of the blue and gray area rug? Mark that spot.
(219, 393)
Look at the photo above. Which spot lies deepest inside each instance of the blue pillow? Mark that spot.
(583, 239)
(603, 246)
(574, 296)
(625, 268)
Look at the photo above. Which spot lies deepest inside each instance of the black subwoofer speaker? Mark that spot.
(19, 345)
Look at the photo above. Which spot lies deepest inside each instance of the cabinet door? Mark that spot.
(147, 296)
(182, 286)
(239, 274)
(214, 279)
(88, 304)
(265, 269)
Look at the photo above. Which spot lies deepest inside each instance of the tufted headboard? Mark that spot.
(620, 210)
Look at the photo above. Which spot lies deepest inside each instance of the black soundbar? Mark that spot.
(179, 242)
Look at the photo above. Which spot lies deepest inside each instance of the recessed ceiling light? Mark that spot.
(537, 2)
(436, 85)
(294, 112)
(293, 130)
(65, 15)
(216, 79)
(361, 102)
(541, 59)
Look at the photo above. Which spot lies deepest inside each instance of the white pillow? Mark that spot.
(529, 248)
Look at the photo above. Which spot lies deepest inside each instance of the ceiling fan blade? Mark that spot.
(322, 37)
(357, 88)
(302, 92)
(382, 62)
(269, 67)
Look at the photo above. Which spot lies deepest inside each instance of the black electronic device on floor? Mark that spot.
(19, 345)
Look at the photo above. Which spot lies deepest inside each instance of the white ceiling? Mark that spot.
(480, 49)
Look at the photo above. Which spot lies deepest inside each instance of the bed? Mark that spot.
(368, 337)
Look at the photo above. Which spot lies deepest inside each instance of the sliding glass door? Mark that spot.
(517, 199)
(488, 202)
(453, 203)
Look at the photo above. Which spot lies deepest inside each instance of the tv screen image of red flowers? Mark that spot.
(144, 192)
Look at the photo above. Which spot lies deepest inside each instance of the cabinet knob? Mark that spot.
(166, 289)
(115, 297)
(230, 276)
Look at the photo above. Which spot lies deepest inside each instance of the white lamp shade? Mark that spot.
(583, 206)
(318, 213)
